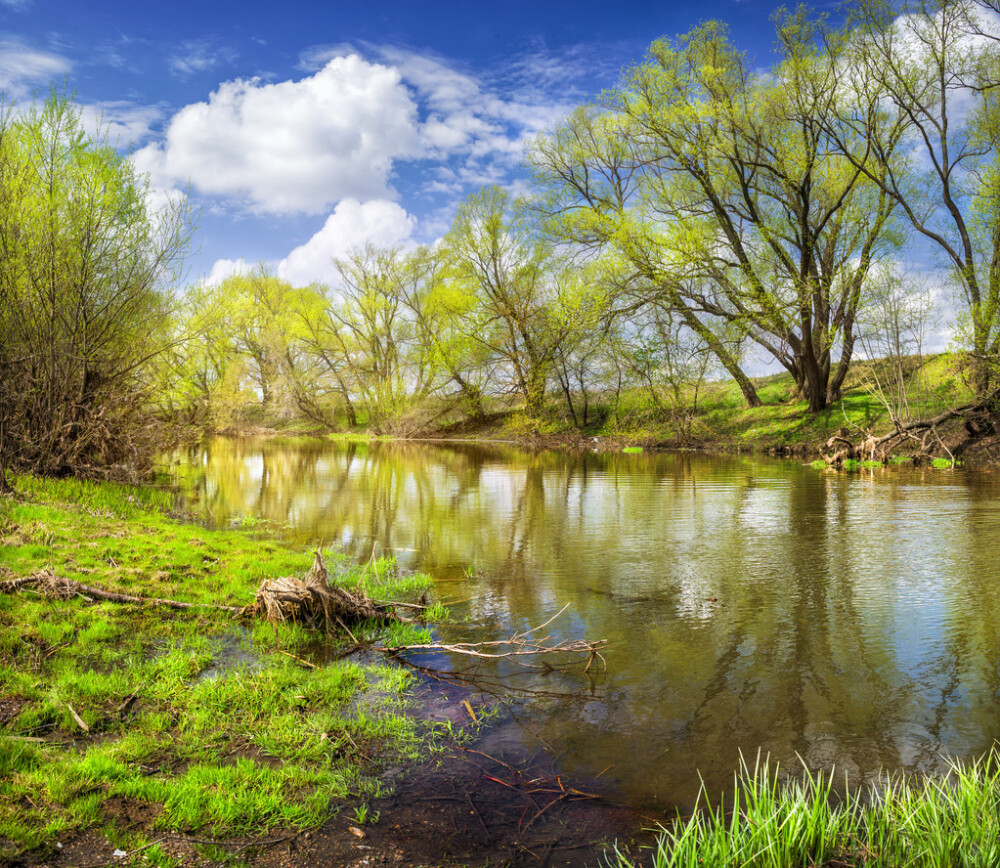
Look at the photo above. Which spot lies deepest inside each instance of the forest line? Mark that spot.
(704, 216)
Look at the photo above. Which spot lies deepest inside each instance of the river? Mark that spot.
(821, 617)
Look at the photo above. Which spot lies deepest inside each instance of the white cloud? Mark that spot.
(21, 68)
(316, 57)
(294, 146)
(342, 132)
(123, 123)
(223, 268)
(198, 55)
(465, 116)
(352, 224)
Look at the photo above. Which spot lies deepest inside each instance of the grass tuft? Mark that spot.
(947, 822)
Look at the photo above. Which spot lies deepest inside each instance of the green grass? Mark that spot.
(946, 822)
(199, 718)
(722, 417)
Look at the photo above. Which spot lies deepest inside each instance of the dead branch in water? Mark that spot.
(313, 602)
(517, 646)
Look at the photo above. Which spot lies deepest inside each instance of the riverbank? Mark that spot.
(138, 735)
(719, 421)
(128, 721)
(179, 739)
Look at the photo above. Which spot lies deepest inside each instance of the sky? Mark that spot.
(299, 130)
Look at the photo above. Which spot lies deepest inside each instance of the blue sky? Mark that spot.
(302, 129)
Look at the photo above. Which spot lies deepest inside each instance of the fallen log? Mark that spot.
(62, 588)
(311, 600)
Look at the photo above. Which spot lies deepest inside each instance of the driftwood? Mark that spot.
(923, 432)
(313, 601)
(61, 588)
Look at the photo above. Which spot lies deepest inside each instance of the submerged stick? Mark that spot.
(518, 645)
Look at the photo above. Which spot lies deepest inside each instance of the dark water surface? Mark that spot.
(850, 619)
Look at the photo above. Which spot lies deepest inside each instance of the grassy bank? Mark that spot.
(714, 416)
(136, 720)
(948, 822)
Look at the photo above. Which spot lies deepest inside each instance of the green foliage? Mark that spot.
(84, 297)
(690, 173)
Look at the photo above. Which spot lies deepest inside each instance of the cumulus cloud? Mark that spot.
(345, 130)
(22, 67)
(223, 268)
(293, 146)
(352, 224)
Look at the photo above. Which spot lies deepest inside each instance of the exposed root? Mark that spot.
(980, 419)
(314, 602)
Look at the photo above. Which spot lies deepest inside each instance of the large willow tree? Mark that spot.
(724, 190)
(84, 265)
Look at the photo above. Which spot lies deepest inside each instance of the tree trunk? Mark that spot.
(534, 394)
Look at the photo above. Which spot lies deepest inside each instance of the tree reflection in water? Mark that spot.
(847, 619)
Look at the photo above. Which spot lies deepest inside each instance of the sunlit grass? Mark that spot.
(201, 718)
(946, 822)
(723, 417)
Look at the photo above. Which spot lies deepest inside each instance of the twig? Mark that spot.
(114, 860)
(79, 720)
(64, 588)
(298, 659)
(129, 699)
(347, 630)
(539, 813)
(479, 816)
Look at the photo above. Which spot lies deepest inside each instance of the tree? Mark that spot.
(85, 265)
(721, 189)
(372, 339)
(932, 70)
(440, 308)
(513, 283)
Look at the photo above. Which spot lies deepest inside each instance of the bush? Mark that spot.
(84, 298)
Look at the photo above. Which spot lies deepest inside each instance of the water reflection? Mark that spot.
(844, 619)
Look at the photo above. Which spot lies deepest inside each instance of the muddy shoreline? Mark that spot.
(482, 802)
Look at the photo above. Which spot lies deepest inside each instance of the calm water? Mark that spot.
(847, 619)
